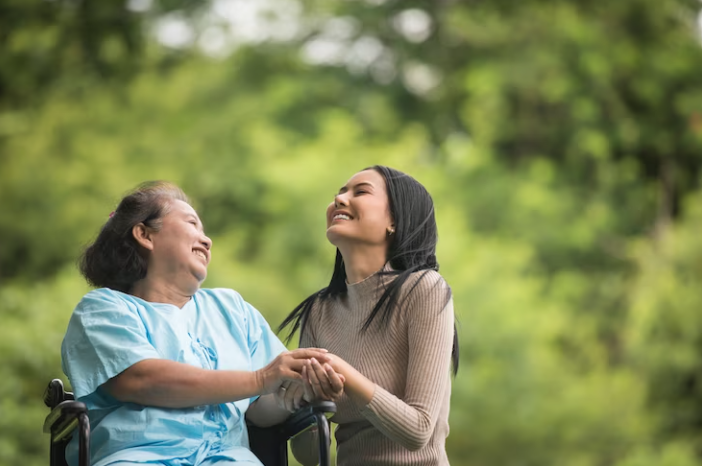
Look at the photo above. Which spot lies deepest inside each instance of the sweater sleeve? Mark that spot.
(305, 445)
(411, 421)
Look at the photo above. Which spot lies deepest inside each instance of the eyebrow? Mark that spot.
(194, 217)
(343, 189)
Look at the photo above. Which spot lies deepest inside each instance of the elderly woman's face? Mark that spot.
(360, 212)
(180, 248)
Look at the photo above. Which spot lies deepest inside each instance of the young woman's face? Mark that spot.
(180, 247)
(360, 213)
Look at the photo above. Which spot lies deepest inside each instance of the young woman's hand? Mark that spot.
(287, 367)
(321, 381)
(356, 386)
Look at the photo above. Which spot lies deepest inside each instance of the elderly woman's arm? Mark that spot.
(170, 384)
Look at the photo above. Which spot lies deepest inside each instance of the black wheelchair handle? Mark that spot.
(308, 416)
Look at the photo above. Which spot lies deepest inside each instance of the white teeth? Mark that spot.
(200, 253)
(342, 216)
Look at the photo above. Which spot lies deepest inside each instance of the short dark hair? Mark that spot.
(115, 259)
(412, 249)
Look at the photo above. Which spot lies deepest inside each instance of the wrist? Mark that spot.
(358, 388)
(260, 382)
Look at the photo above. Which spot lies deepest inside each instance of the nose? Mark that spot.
(340, 200)
(206, 241)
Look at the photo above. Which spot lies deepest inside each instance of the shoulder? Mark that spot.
(425, 292)
(426, 283)
(104, 307)
(102, 298)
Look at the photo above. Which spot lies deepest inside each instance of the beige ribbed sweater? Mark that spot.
(406, 422)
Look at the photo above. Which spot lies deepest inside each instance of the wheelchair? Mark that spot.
(269, 444)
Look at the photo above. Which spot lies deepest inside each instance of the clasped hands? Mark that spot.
(319, 382)
(301, 376)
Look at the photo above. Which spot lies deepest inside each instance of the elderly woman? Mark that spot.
(169, 370)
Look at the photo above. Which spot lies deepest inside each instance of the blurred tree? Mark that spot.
(556, 138)
(50, 42)
(64, 46)
(72, 43)
(665, 334)
(581, 83)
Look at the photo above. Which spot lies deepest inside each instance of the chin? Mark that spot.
(200, 276)
(333, 236)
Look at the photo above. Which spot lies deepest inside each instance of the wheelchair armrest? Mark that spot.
(64, 419)
(55, 394)
(307, 416)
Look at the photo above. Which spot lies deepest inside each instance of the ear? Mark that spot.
(142, 235)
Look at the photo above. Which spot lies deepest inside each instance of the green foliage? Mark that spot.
(665, 337)
(557, 145)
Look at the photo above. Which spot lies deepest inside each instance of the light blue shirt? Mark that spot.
(110, 331)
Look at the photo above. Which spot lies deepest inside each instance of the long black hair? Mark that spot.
(412, 249)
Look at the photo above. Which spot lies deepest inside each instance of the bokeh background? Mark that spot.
(561, 141)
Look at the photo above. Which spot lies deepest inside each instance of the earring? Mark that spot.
(391, 231)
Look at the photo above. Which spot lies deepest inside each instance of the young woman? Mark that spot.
(387, 320)
(169, 370)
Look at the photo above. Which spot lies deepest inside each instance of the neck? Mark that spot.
(362, 261)
(159, 291)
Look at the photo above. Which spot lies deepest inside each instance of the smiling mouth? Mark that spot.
(341, 217)
(201, 254)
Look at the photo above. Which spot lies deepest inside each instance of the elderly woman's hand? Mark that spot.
(290, 396)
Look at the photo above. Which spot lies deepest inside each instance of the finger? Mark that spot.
(324, 383)
(307, 386)
(290, 375)
(334, 379)
(295, 365)
(308, 353)
(281, 392)
(290, 397)
(314, 381)
(279, 399)
(323, 350)
(297, 397)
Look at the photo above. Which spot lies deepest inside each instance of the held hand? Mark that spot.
(356, 386)
(287, 366)
(321, 382)
(290, 396)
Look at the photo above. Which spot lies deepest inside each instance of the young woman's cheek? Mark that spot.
(330, 209)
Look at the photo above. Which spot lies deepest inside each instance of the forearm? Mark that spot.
(357, 386)
(265, 412)
(406, 424)
(410, 426)
(170, 384)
